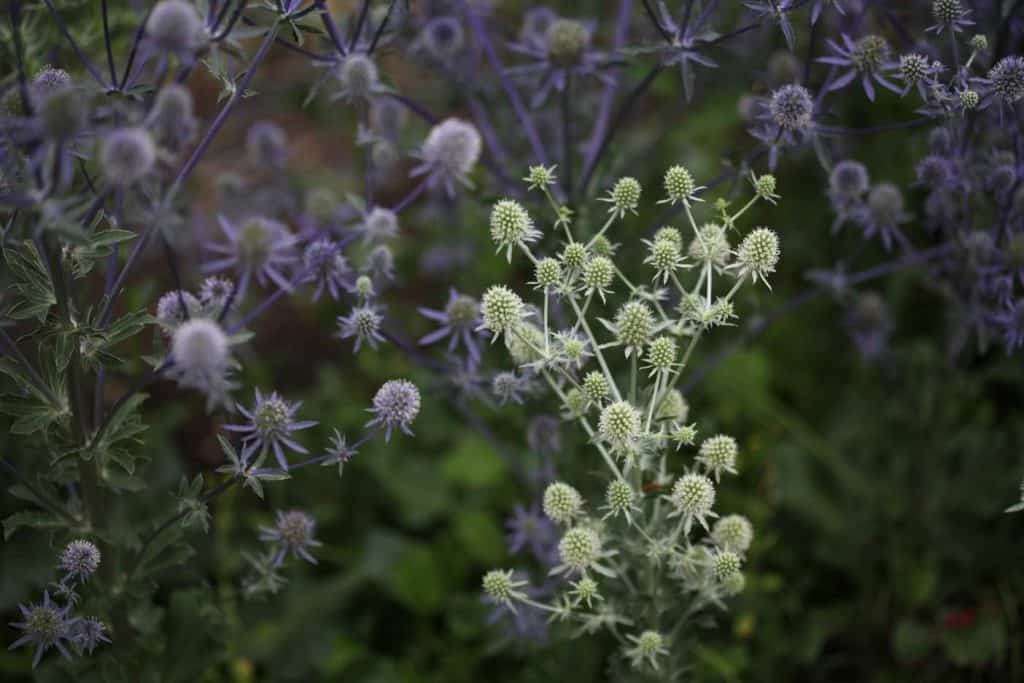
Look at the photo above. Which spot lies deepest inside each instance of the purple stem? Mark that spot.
(331, 28)
(604, 110)
(106, 41)
(74, 45)
(513, 95)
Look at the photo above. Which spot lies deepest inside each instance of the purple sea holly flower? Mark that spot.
(292, 533)
(45, 625)
(259, 247)
(395, 406)
(564, 55)
(680, 48)
(530, 529)
(882, 214)
(775, 11)
(362, 324)
(270, 426)
(459, 321)
(865, 58)
(326, 266)
(820, 5)
(448, 155)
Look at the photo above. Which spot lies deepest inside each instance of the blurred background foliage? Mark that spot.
(876, 486)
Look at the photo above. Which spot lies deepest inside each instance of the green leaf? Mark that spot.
(474, 464)
(32, 519)
(30, 283)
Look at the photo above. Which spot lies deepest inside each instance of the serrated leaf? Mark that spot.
(32, 519)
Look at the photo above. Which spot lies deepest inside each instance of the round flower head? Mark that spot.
(291, 533)
(79, 560)
(585, 591)
(502, 587)
(266, 144)
(536, 22)
(595, 386)
(380, 262)
(90, 632)
(459, 320)
(526, 344)
(502, 310)
(127, 156)
(200, 360)
(258, 247)
(914, 68)
(174, 26)
(624, 197)
(969, 99)
(574, 256)
(1007, 79)
(215, 292)
(566, 40)
(270, 424)
(661, 355)
(870, 53)
(619, 497)
(562, 503)
(602, 246)
(791, 107)
(764, 187)
(170, 313)
(634, 323)
(395, 405)
(679, 185)
(380, 224)
(357, 77)
(442, 38)
(540, 177)
(579, 549)
(718, 454)
(667, 232)
(665, 257)
(886, 209)
(620, 424)
(724, 563)
(547, 273)
(848, 179)
(758, 254)
(508, 387)
(711, 245)
(363, 324)
(935, 172)
(45, 625)
(693, 496)
(949, 15)
(511, 226)
(326, 266)
(172, 119)
(734, 533)
(673, 408)
(449, 154)
(543, 434)
(598, 275)
(647, 648)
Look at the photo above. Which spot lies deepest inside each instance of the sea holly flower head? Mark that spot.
(363, 323)
(258, 247)
(45, 625)
(449, 155)
(292, 533)
(79, 560)
(459, 322)
(648, 648)
(866, 58)
(270, 425)
(395, 406)
(511, 226)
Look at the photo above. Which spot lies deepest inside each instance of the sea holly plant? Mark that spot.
(644, 553)
(94, 173)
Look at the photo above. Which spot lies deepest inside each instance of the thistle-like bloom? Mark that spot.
(693, 496)
(648, 648)
(79, 560)
(459, 321)
(564, 55)
(511, 226)
(174, 27)
(624, 197)
(562, 503)
(200, 359)
(258, 247)
(128, 155)
(734, 533)
(917, 71)
(89, 633)
(718, 454)
(884, 213)
(777, 12)
(502, 310)
(503, 587)
(529, 529)
(620, 425)
(1005, 81)
(785, 119)
(580, 551)
(449, 154)
(950, 15)
(325, 265)
(757, 255)
(291, 533)
(357, 78)
(266, 144)
(681, 44)
(45, 625)
(362, 324)
(865, 58)
(170, 313)
(172, 119)
(271, 422)
(395, 406)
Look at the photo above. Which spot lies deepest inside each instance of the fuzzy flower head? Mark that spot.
(170, 311)
(724, 564)
(734, 533)
(711, 246)
(258, 247)
(325, 266)
(620, 425)
(718, 454)
(624, 197)
(127, 156)
(459, 321)
(45, 625)
(395, 406)
(449, 154)
(791, 108)
(363, 324)
(172, 119)
(634, 323)
(511, 226)
(174, 27)
(266, 144)
(357, 77)
(502, 310)
(693, 496)
(502, 586)
(648, 648)
(665, 256)
(619, 498)
(89, 633)
(866, 58)
(562, 503)
(270, 425)
(442, 38)
(579, 549)
(1006, 79)
(949, 15)
(292, 533)
(758, 254)
(200, 358)
(679, 186)
(848, 180)
(79, 560)
(885, 212)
